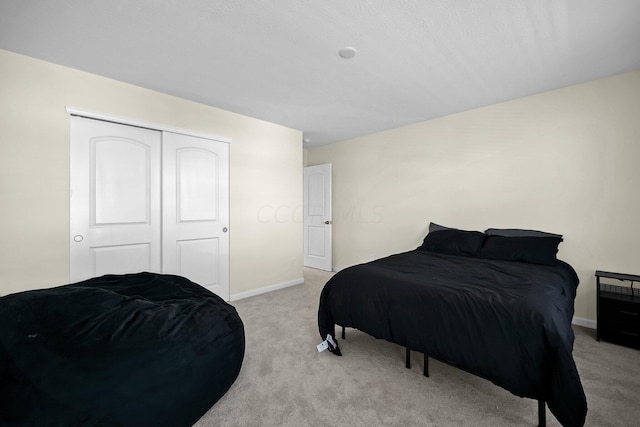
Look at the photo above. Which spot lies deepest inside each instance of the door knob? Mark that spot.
(328, 222)
(224, 230)
(78, 238)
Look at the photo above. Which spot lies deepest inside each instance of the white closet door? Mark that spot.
(195, 241)
(115, 199)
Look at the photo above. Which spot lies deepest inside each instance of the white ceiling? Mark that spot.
(278, 60)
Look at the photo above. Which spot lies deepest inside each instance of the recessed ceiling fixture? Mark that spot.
(347, 52)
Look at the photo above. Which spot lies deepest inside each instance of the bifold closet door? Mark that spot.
(195, 210)
(115, 199)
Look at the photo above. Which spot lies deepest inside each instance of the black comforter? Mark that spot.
(138, 350)
(508, 322)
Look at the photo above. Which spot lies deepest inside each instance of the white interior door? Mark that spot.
(317, 217)
(115, 199)
(196, 210)
(147, 200)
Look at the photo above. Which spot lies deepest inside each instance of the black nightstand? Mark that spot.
(618, 309)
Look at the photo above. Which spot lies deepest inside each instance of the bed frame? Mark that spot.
(542, 420)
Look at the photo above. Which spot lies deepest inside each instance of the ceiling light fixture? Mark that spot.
(347, 52)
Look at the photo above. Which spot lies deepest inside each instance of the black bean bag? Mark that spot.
(132, 350)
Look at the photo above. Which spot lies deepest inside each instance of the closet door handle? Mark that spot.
(78, 238)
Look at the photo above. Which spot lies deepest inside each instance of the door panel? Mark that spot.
(196, 210)
(115, 199)
(317, 217)
(121, 259)
(131, 182)
(198, 260)
(316, 193)
(196, 184)
(316, 242)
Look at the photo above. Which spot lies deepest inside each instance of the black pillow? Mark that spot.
(519, 232)
(534, 250)
(437, 227)
(453, 242)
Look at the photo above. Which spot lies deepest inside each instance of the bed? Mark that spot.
(130, 350)
(496, 304)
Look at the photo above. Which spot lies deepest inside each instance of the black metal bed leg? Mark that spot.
(425, 369)
(343, 334)
(407, 362)
(542, 416)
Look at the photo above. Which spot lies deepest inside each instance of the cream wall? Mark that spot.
(265, 170)
(564, 161)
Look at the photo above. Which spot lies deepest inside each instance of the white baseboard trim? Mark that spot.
(264, 290)
(587, 323)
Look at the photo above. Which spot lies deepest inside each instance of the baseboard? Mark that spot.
(264, 290)
(587, 323)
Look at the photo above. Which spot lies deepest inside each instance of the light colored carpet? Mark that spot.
(284, 381)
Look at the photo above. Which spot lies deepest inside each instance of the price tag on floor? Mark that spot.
(322, 346)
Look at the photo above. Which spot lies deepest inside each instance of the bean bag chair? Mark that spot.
(130, 350)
